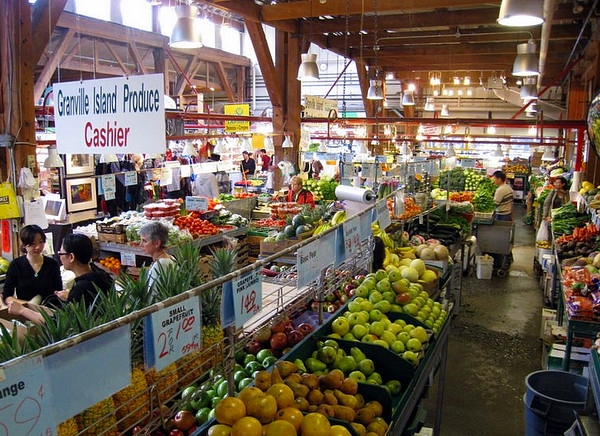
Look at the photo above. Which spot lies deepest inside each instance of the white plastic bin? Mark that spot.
(485, 267)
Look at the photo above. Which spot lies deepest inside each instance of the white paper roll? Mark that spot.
(351, 193)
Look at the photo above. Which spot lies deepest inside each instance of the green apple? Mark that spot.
(400, 322)
(376, 377)
(369, 284)
(367, 306)
(355, 319)
(389, 296)
(403, 337)
(400, 286)
(368, 338)
(381, 343)
(435, 310)
(421, 314)
(377, 328)
(383, 306)
(359, 330)
(414, 344)
(375, 297)
(394, 386)
(380, 274)
(394, 275)
(408, 328)
(340, 325)
(347, 364)
(375, 315)
(429, 323)
(358, 376)
(411, 309)
(411, 357)
(354, 306)
(362, 291)
(397, 347)
(331, 343)
(394, 328)
(366, 367)
(420, 333)
(384, 285)
(388, 337)
(349, 337)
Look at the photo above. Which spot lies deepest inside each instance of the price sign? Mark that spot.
(348, 169)
(109, 186)
(197, 168)
(365, 226)
(368, 171)
(196, 203)
(186, 170)
(314, 257)
(383, 214)
(26, 403)
(172, 333)
(166, 176)
(127, 259)
(131, 178)
(247, 297)
(351, 235)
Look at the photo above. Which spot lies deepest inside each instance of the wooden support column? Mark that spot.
(293, 96)
(16, 86)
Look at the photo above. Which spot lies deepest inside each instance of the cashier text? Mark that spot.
(117, 99)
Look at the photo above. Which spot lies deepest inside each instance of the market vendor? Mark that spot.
(298, 194)
(503, 198)
(154, 237)
(33, 274)
(248, 165)
(557, 198)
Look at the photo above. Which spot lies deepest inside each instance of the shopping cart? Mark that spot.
(496, 238)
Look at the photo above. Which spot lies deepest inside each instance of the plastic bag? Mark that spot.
(9, 208)
(543, 233)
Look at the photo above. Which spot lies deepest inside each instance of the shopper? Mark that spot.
(265, 160)
(205, 185)
(33, 274)
(154, 237)
(557, 198)
(503, 198)
(76, 255)
(248, 165)
(298, 194)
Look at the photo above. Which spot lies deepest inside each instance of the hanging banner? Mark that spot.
(116, 115)
(241, 109)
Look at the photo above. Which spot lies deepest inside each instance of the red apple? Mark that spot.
(294, 337)
(349, 287)
(278, 341)
(305, 328)
(253, 347)
(351, 292)
(403, 298)
(262, 334)
(314, 306)
(176, 432)
(184, 419)
(288, 329)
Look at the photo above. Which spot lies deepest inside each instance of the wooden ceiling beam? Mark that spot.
(135, 54)
(226, 85)
(313, 8)
(114, 53)
(43, 79)
(192, 65)
(44, 16)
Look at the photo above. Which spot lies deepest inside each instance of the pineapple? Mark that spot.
(166, 381)
(132, 402)
(98, 419)
(68, 428)
(222, 263)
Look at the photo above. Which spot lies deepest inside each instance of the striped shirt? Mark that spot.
(503, 199)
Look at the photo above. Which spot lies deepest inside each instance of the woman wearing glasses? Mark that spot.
(75, 254)
(33, 274)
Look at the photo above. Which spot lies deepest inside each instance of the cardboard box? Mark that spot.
(440, 266)
(119, 238)
(275, 247)
(547, 315)
(110, 228)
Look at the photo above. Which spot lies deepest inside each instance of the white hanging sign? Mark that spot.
(117, 115)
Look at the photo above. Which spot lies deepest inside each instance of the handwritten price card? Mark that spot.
(351, 235)
(315, 256)
(383, 214)
(131, 178)
(196, 203)
(25, 400)
(247, 297)
(172, 333)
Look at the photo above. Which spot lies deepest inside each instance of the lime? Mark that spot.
(202, 415)
(249, 358)
(269, 361)
(222, 388)
(238, 376)
(244, 383)
(188, 393)
(263, 354)
(253, 366)
(201, 400)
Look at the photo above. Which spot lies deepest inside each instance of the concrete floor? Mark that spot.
(494, 344)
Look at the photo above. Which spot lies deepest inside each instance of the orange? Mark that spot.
(283, 395)
(229, 410)
(279, 428)
(315, 424)
(248, 393)
(263, 408)
(247, 426)
(339, 430)
(291, 415)
(219, 430)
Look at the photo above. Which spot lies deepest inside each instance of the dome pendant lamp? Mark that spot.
(308, 69)
(521, 13)
(186, 32)
(53, 160)
(526, 62)
(375, 91)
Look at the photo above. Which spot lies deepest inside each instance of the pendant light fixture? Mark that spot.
(189, 149)
(429, 105)
(521, 13)
(268, 144)
(531, 110)
(186, 32)
(220, 147)
(408, 98)
(108, 158)
(445, 112)
(529, 89)
(53, 160)
(498, 152)
(308, 69)
(287, 143)
(450, 151)
(548, 155)
(375, 91)
(526, 62)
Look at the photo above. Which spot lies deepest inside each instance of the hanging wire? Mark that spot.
(346, 57)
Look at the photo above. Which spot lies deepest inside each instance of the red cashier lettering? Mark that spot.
(109, 136)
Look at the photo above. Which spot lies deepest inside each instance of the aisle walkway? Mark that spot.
(494, 343)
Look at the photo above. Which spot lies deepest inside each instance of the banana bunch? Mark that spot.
(390, 258)
(321, 228)
(338, 217)
(387, 240)
(406, 252)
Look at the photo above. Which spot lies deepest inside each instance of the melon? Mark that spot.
(420, 248)
(441, 252)
(405, 262)
(427, 254)
(410, 274)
